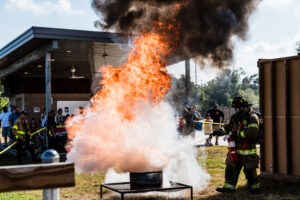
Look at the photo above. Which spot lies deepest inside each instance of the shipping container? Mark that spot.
(280, 106)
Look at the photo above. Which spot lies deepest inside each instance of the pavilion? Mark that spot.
(44, 66)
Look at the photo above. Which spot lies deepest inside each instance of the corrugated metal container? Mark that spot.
(280, 106)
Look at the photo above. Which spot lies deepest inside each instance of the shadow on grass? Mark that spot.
(271, 190)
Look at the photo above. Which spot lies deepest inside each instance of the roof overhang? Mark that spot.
(81, 49)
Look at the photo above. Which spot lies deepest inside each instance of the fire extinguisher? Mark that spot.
(232, 149)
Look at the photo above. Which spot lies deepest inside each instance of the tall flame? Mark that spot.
(129, 126)
(125, 94)
(142, 78)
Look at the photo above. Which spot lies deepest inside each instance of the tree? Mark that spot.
(177, 95)
(222, 89)
(298, 47)
(251, 82)
(250, 95)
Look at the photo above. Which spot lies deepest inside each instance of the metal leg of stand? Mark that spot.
(122, 196)
(100, 191)
(191, 193)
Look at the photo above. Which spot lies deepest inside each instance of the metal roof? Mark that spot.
(85, 49)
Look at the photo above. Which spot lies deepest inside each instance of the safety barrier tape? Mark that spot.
(210, 122)
(34, 133)
(10, 146)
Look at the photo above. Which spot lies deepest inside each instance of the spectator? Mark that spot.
(4, 118)
(51, 124)
(217, 116)
(33, 128)
(189, 128)
(196, 114)
(181, 124)
(21, 132)
(67, 117)
(43, 118)
(59, 117)
(60, 123)
(208, 129)
(42, 122)
(80, 110)
(12, 119)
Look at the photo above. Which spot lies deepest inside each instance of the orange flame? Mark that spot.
(141, 83)
(142, 78)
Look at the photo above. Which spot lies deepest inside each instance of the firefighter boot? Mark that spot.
(224, 190)
(255, 191)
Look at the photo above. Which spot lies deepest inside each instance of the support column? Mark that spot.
(48, 88)
(187, 79)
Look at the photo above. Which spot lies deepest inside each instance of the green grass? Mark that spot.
(213, 159)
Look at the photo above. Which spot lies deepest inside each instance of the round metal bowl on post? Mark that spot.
(50, 156)
(145, 179)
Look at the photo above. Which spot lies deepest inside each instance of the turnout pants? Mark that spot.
(232, 171)
(20, 149)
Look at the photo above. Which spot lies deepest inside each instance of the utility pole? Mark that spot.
(201, 97)
(196, 82)
(187, 79)
(48, 89)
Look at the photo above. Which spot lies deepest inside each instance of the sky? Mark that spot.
(274, 29)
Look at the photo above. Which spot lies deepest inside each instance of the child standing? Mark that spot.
(208, 129)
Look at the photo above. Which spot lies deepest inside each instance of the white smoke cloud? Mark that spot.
(44, 7)
(150, 142)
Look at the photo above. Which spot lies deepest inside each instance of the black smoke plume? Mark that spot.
(205, 26)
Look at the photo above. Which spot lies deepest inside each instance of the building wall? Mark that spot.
(31, 100)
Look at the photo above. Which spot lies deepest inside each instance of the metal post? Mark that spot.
(50, 156)
(48, 89)
(101, 191)
(187, 79)
(196, 82)
(196, 75)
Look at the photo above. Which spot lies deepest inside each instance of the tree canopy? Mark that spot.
(222, 89)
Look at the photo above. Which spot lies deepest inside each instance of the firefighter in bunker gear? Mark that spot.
(21, 133)
(243, 127)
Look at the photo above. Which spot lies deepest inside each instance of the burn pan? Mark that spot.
(125, 188)
(146, 179)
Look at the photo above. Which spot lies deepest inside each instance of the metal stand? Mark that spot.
(125, 188)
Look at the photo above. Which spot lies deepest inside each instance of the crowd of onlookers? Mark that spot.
(7, 120)
(189, 122)
(55, 122)
(34, 135)
(54, 133)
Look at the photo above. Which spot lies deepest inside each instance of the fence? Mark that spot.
(228, 112)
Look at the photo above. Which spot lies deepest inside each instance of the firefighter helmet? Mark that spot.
(238, 102)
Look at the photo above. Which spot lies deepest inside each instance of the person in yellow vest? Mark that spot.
(22, 135)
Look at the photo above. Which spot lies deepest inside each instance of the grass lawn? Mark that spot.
(87, 185)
